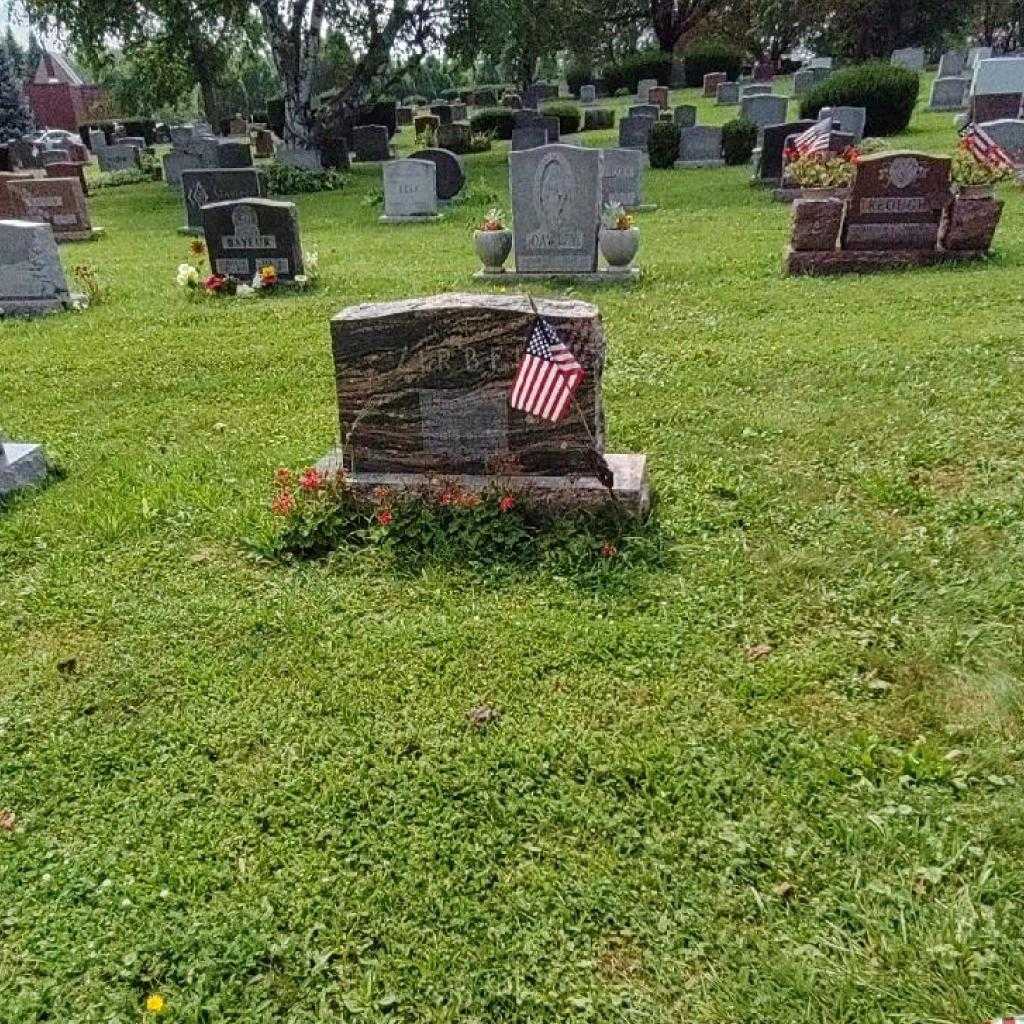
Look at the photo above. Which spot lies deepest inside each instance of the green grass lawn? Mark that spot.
(255, 791)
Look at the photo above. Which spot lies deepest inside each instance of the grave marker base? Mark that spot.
(606, 275)
(80, 236)
(631, 486)
(41, 307)
(427, 218)
(21, 466)
(861, 261)
(686, 164)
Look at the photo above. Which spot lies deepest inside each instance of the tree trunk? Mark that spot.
(199, 59)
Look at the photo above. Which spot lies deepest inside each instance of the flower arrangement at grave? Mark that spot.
(190, 278)
(494, 220)
(619, 237)
(821, 170)
(615, 218)
(492, 241)
(968, 170)
(316, 512)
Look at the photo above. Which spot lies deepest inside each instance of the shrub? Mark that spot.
(887, 93)
(577, 75)
(283, 180)
(597, 119)
(739, 137)
(663, 147)
(485, 97)
(629, 72)
(496, 121)
(707, 55)
(568, 114)
(415, 100)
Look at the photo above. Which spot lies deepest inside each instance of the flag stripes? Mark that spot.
(548, 375)
(986, 150)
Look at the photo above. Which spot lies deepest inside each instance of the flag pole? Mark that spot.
(603, 471)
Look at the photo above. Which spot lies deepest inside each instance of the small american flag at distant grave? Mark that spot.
(548, 375)
(814, 139)
(986, 150)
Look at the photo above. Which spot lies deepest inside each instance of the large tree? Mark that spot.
(674, 19)
(199, 34)
(15, 116)
(375, 31)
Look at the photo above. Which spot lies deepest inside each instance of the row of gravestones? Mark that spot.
(996, 90)
(952, 83)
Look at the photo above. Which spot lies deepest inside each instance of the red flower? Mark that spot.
(608, 550)
(283, 503)
(214, 282)
(384, 517)
(446, 497)
(283, 476)
(507, 503)
(311, 480)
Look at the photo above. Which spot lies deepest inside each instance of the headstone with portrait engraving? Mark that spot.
(245, 235)
(424, 390)
(410, 192)
(32, 279)
(215, 185)
(556, 209)
(59, 202)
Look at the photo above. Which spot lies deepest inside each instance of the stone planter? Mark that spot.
(816, 225)
(619, 247)
(969, 224)
(492, 249)
(975, 191)
(825, 192)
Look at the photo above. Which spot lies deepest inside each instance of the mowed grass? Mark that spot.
(255, 792)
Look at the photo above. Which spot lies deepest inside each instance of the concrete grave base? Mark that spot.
(186, 230)
(21, 465)
(686, 164)
(40, 307)
(631, 486)
(862, 261)
(425, 219)
(607, 275)
(791, 195)
(642, 208)
(944, 108)
(81, 236)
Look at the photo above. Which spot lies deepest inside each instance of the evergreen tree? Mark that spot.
(15, 116)
(35, 55)
(16, 53)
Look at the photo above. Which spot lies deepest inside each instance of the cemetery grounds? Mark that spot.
(773, 775)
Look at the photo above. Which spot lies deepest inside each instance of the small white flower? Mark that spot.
(188, 276)
(301, 280)
(257, 282)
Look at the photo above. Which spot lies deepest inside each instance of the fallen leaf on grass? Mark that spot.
(784, 890)
(758, 651)
(482, 716)
(7, 821)
(68, 666)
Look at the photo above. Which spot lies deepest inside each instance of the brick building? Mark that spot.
(59, 96)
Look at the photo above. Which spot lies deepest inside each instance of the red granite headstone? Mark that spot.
(59, 202)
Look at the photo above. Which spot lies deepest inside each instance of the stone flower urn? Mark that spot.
(492, 248)
(618, 246)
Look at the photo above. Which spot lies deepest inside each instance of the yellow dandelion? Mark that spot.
(155, 1003)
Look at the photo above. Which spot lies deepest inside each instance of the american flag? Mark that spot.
(813, 139)
(986, 150)
(548, 375)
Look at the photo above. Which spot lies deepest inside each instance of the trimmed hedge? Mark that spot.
(739, 137)
(569, 115)
(628, 73)
(596, 119)
(663, 145)
(887, 93)
(498, 121)
(707, 55)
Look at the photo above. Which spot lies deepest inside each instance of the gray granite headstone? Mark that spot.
(727, 94)
(118, 158)
(685, 115)
(635, 133)
(700, 146)
(32, 280)
(244, 235)
(556, 208)
(803, 81)
(97, 140)
(588, 94)
(756, 89)
(450, 175)
(847, 119)
(410, 190)
(229, 153)
(296, 156)
(948, 94)
(650, 110)
(643, 88)
(1008, 133)
(215, 185)
(553, 126)
(764, 110)
(370, 141)
(527, 118)
(622, 177)
(910, 57)
(951, 64)
(20, 465)
(529, 138)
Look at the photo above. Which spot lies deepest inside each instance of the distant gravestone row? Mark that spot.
(194, 147)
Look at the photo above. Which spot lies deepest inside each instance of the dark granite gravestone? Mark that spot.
(556, 208)
(404, 116)
(216, 185)
(233, 154)
(457, 136)
(6, 164)
(450, 175)
(384, 112)
(443, 112)
(909, 57)
(32, 280)
(424, 392)
(370, 142)
(997, 89)
(263, 143)
(244, 235)
(764, 110)
(650, 110)
(553, 126)
(712, 80)
(773, 143)
(118, 158)
(635, 133)
(897, 201)
(685, 116)
(59, 202)
(1008, 134)
(529, 138)
(727, 94)
(948, 94)
(700, 146)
